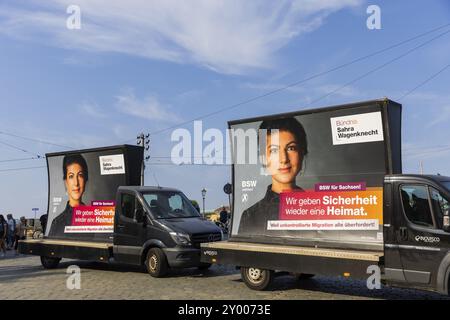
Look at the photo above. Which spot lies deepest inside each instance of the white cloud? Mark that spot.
(92, 109)
(148, 108)
(442, 116)
(314, 88)
(228, 36)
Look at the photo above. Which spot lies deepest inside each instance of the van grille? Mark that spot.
(205, 237)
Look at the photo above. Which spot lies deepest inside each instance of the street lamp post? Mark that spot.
(34, 221)
(203, 196)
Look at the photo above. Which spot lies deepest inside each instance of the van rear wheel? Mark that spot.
(257, 279)
(50, 262)
(156, 263)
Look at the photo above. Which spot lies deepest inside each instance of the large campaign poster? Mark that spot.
(82, 191)
(318, 177)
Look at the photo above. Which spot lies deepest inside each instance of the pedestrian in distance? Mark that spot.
(223, 215)
(3, 230)
(43, 220)
(11, 232)
(21, 232)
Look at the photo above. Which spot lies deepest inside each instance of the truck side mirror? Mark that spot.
(139, 214)
(446, 221)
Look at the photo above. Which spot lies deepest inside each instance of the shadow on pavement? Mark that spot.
(356, 288)
(214, 271)
(14, 273)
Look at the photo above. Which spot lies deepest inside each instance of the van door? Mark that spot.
(419, 234)
(128, 230)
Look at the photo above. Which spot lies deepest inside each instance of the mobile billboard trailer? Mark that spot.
(97, 210)
(327, 197)
(82, 186)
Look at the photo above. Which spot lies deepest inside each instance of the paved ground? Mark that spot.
(22, 277)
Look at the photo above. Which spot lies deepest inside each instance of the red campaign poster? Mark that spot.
(93, 218)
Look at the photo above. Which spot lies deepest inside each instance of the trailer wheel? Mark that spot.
(50, 262)
(156, 263)
(257, 279)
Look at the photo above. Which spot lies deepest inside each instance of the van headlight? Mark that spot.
(181, 238)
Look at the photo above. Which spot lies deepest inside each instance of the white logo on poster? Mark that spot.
(358, 128)
(248, 185)
(113, 164)
(244, 197)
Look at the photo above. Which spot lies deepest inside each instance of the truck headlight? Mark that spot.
(181, 238)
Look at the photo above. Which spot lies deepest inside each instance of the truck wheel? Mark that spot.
(257, 279)
(204, 266)
(50, 262)
(156, 263)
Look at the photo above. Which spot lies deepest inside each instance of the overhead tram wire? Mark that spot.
(424, 82)
(35, 140)
(284, 88)
(20, 159)
(21, 149)
(20, 169)
(412, 154)
(378, 68)
(186, 164)
(300, 81)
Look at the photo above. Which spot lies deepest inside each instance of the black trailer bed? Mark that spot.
(320, 261)
(95, 251)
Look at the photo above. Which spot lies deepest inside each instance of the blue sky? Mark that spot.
(146, 65)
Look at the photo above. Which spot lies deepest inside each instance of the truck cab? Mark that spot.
(153, 226)
(159, 228)
(417, 231)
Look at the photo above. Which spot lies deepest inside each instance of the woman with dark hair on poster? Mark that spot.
(283, 151)
(75, 176)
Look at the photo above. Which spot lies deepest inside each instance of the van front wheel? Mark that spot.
(257, 279)
(50, 262)
(156, 263)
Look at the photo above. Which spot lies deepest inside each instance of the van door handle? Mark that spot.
(403, 233)
(120, 226)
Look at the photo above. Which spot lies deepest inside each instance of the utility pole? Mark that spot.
(143, 140)
(421, 166)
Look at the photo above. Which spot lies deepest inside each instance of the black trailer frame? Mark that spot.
(83, 250)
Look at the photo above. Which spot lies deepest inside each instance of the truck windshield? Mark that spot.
(447, 184)
(167, 205)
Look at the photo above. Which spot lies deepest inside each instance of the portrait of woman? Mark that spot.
(75, 176)
(282, 146)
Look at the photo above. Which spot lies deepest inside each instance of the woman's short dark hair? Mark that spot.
(291, 125)
(78, 159)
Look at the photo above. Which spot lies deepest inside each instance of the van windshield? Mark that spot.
(167, 205)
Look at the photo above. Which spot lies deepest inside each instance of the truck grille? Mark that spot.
(205, 237)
